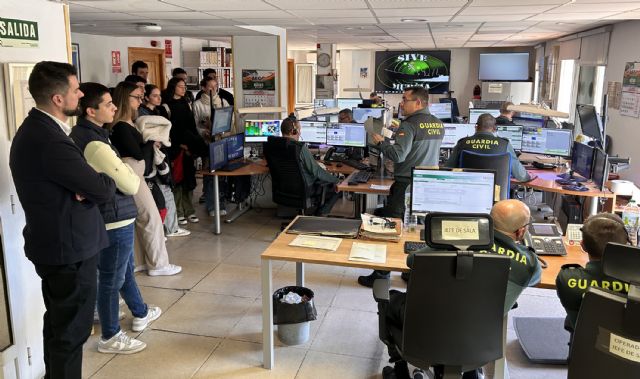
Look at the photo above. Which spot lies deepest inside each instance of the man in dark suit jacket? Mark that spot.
(59, 193)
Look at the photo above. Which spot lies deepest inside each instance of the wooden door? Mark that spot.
(155, 59)
(291, 84)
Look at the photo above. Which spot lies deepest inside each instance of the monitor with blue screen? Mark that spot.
(222, 120)
(533, 122)
(235, 146)
(513, 133)
(360, 115)
(441, 110)
(217, 154)
(539, 140)
(475, 113)
(454, 132)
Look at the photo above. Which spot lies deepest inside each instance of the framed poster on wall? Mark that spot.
(75, 59)
(18, 98)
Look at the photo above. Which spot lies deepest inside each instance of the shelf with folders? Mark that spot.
(224, 74)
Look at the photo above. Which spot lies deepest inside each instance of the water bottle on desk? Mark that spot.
(631, 219)
(410, 221)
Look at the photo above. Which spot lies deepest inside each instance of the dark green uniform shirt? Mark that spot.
(573, 280)
(312, 170)
(487, 143)
(417, 143)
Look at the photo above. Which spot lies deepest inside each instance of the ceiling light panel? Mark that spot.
(394, 4)
(222, 5)
(479, 11)
(396, 20)
(129, 6)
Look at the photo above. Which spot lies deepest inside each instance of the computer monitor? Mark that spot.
(590, 122)
(346, 102)
(533, 122)
(324, 103)
(217, 154)
(455, 112)
(547, 141)
(582, 160)
(513, 133)
(475, 113)
(259, 130)
(313, 132)
(326, 118)
(453, 190)
(351, 135)
(235, 146)
(454, 132)
(530, 115)
(441, 110)
(360, 115)
(222, 120)
(600, 168)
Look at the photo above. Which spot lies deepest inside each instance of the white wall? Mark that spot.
(95, 55)
(624, 131)
(24, 285)
(464, 72)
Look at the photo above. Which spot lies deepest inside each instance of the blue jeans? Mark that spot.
(115, 275)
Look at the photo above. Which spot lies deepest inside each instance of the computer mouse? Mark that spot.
(339, 165)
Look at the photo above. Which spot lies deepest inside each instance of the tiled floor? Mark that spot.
(211, 323)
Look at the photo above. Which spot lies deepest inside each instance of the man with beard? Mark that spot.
(64, 230)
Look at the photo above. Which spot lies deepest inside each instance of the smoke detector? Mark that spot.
(148, 27)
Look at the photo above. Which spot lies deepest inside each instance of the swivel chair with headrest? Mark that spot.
(453, 315)
(290, 188)
(606, 341)
(500, 163)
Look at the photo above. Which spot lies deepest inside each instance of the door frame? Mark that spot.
(148, 50)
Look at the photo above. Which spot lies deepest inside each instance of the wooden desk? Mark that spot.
(258, 167)
(546, 181)
(396, 261)
(364, 188)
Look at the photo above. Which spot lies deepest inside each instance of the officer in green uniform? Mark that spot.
(574, 280)
(485, 141)
(314, 174)
(417, 143)
(510, 221)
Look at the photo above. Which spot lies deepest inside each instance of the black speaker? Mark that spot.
(570, 212)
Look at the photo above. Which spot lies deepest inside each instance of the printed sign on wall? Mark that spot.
(18, 33)
(116, 66)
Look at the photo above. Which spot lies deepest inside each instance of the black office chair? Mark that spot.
(289, 186)
(453, 315)
(607, 336)
(500, 163)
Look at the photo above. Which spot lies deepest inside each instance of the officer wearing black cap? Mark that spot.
(485, 141)
(573, 280)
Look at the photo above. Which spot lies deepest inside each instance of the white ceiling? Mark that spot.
(358, 24)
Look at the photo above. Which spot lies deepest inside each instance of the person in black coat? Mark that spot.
(186, 145)
(64, 231)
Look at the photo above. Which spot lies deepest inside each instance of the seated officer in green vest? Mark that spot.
(573, 280)
(510, 221)
(485, 141)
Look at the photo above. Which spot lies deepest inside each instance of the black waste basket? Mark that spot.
(293, 319)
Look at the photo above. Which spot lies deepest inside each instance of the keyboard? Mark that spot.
(413, 246)
(360, 177)
(232, 166)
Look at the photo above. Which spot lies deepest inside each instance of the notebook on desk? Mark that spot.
(325, 226)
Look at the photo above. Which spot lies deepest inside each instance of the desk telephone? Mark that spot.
(340, 153)
(545, 239)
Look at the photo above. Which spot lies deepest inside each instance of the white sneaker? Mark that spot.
(182, 221)
(165, 271)
(179, 233)
(223, 212)
(140, 268)
(139, 324)
(121, 343)
(193, 218)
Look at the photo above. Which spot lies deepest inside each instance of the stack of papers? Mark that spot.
(368, 252)
(377, 228)
(316, 242)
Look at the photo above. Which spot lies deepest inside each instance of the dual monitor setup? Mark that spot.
(590, 163)
(316, 132)
(536, 140)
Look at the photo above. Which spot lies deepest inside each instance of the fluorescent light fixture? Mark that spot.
(413, 20)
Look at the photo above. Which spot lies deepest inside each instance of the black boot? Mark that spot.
(368, 280)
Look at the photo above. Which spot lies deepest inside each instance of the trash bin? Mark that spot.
(293, 319)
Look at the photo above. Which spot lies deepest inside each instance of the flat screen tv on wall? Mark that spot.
(504, 67)
(397, 70)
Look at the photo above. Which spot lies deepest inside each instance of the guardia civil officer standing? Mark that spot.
(485, 141)
(59, 193)
(417, 143)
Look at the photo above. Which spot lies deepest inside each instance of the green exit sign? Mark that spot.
(18, 33)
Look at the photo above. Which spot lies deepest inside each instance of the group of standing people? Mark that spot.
(95, 193)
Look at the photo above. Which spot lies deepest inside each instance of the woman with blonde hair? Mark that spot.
(151, 251)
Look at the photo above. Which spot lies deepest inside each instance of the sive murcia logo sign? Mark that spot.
(18, 33)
